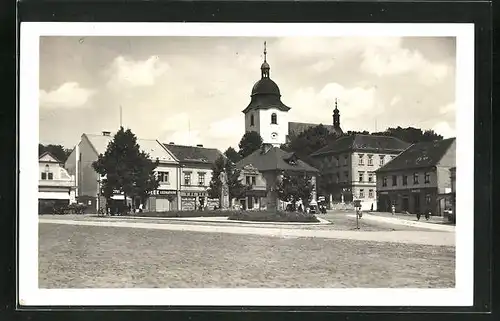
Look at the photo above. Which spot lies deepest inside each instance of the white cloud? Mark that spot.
(395, 100)
(445, 129)
(352, 102)
(447, 108)
(395, 60)
(141, 73)
(68, 95)
(184, 137)
(322, 66)
(231, 128)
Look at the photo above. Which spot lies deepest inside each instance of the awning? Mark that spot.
(63, 195)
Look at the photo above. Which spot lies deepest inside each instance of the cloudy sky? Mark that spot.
(191, 90)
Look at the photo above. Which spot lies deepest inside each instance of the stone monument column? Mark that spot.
(224, 192)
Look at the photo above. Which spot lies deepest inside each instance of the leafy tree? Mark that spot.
(326, 185)
(309, 141)
(232, 155)
(234, 181)
(411, 135)
(353, 132)
(58, 151)
(249, 143)
(126, 167)
(295, 187)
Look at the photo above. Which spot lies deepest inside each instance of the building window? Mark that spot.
(370, 160)
(337, 161)
(201, 179)
(254, 180)
(427, 178)
(187, 179)
(345, 160)
(50, 175)
(44, 175)
(252, 120)
(427, 199)
(247, 180)
(370, 193)
(384, 181)
(163, 177)
(337, 178)
(274, 118)
(361, 162)
(394, 180)
(361, 193)
(405, 180)
(361, 176)
(346, 176)
(370, 177)
(382, 160)
(415, 178)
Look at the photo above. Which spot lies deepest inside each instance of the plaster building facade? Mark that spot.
(349, 164)
(55, 184)
(418, 180)
(262, 170)
(88, 181)
(194, 174)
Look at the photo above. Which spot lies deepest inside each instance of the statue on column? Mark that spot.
(224, 193)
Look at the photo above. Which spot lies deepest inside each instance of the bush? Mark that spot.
(272, 216)
(211, 213)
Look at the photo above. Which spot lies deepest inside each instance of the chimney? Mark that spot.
(199, 145)
(104, 133)
(171, 143)
(265, 148)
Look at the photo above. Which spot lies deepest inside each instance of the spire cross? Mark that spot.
(265, 51)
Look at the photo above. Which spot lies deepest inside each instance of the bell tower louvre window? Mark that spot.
(274, 118)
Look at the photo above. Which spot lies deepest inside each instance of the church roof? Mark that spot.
(367, 143)
(274, 158)
(297, 128)
(421, 155)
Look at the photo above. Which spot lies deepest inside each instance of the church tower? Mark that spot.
(266, 114)
(336, 117)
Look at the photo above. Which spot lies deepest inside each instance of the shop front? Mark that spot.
(191, 201)
(162, 201)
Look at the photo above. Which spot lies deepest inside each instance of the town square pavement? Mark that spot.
(437, 237)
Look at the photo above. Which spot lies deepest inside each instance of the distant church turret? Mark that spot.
(266, 114)
(336, 116)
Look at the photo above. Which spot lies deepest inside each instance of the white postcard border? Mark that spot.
(30, 295)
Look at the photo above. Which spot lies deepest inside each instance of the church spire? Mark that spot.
(336, 115)
(264, 68)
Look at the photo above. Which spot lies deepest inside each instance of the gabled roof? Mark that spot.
(47, 157)
(366, 143)
(154, 148)
(297, 128)
(275, 159)
(420, 155)
(192, 154)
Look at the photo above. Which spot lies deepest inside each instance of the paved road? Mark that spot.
(409, 237)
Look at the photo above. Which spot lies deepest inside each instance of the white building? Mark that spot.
(55, 184)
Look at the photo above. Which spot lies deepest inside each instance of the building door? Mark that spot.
(250, 202)
(416, 200)
(243, 204)
(406, 204)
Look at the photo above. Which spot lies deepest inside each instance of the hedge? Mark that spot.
(273, 216)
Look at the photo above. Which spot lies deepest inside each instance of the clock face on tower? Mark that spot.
(274, 136)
